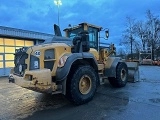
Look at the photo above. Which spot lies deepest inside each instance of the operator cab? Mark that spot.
(93, 33)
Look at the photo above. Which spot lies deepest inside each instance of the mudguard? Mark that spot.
(61, 73)
(110, 67)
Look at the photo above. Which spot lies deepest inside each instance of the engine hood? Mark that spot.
(58, 39)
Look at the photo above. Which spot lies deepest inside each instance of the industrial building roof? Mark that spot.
(14, 32)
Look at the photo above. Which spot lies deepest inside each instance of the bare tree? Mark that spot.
(121, 52)
(142, 34)
(140, 31)
(129, 37)
(153, 31)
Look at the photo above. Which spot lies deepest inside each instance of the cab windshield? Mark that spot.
(93, 35)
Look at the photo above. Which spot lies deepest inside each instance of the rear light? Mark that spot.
(28, 77)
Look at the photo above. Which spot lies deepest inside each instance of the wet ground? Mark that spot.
(136, 101)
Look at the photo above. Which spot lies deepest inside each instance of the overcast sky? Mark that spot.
(40, 15)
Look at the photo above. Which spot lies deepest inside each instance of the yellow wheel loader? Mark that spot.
(73, 65)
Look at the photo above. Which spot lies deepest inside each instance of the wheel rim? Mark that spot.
(123, 74)
(85, 84)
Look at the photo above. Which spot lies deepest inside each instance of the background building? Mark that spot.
(11, 39)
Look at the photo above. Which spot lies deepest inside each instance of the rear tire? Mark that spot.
(82, 85)
(121, 76)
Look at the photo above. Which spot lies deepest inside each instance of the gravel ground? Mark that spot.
(17, 102)
(140, 100)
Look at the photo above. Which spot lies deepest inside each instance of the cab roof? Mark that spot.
(83, 24)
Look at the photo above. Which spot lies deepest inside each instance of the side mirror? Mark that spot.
(107, 33)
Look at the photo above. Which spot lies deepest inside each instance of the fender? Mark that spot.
(110, 67)
(61, 73)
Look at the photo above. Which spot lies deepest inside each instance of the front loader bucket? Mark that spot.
(133, 71)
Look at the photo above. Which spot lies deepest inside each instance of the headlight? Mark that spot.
(62, 61)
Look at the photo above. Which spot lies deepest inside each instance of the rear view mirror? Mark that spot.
(107, 33)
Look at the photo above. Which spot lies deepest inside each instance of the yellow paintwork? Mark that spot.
(41, 82)
(85, 27)
(95, 53)
(37, 76)
(42, 78)
(59, 49)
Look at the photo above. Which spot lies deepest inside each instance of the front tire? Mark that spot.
(121, 76)
(82, 85)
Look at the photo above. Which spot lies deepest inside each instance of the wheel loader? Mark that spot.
(74, 65)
